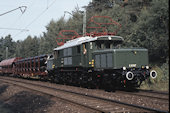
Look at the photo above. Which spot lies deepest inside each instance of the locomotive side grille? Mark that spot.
(109, 60)
(97, 61)
(103, 60)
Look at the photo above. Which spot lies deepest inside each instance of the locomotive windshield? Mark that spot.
(117, 44)
(108, 44)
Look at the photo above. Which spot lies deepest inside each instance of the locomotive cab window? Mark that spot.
(108, 45)
(117, 44)
(68, 52)
(56, 54)
(65, 52)
(98, 45)
(59, 53)
(78, 49)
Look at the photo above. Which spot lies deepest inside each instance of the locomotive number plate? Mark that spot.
(132, 65)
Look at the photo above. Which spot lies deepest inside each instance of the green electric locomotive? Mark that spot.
(99, 61)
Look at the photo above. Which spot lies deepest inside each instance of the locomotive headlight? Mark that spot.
(147, 67)
(53, 66)
(124, 68)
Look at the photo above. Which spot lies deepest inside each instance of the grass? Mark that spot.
(161, 82)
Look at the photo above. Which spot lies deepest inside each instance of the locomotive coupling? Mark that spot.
(129, 75)
(153, 74)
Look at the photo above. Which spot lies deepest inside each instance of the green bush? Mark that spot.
(161, 82)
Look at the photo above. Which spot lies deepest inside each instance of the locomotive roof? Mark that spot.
(81, 40)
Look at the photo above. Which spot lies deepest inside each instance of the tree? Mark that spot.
(29, 47)
(151, 30)
(7, 42)
(48, 40)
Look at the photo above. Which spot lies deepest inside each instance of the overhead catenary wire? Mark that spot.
(22, 9)
(47, 3)
(12, 24)
(35, 19)
(28, 7)
(14, 29)
(23, 30)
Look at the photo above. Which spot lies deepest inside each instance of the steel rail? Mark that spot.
(143, 95)
(152, 91)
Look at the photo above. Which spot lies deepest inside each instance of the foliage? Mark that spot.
(7, 47)
(29, 47)
(152, 32)
(161, 82)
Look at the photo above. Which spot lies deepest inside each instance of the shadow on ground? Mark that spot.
(3, 88)
(26, 102)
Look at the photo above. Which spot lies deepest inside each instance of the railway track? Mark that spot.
(151, 91)
(98, 104)
(149, 94)
(155, 94)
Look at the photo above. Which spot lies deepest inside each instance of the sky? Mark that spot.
(36, 17)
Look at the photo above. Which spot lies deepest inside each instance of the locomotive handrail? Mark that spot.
(66, 37)
(99, 26)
